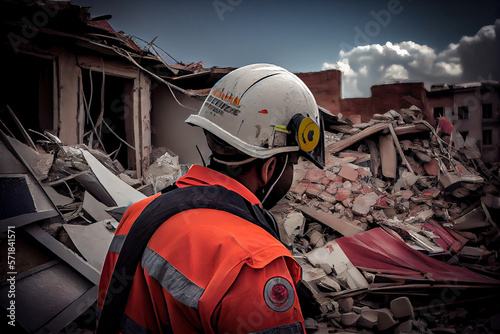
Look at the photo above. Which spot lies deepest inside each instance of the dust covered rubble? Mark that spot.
(423, 185)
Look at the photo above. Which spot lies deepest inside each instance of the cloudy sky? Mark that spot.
(371, 41)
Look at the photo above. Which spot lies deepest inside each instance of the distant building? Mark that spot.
(383, 98)
(326, 87)
(474, 109)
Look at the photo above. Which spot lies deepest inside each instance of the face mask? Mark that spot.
(278, 186)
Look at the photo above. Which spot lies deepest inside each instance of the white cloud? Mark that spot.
(396, 73)
(473, 58)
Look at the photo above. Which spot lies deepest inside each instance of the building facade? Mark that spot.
(474, 110)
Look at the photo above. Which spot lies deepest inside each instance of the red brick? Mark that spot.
(342, 194)
(314, 189)
(315, 175)
(301, 187)
(348, 173)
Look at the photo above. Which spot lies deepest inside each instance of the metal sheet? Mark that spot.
(64, 253)
(15, 196)
(42, 296)
(71, 312)
(22, 201)
(385, 252)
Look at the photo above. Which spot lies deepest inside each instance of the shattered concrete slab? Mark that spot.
(122, 193)
(333, 255)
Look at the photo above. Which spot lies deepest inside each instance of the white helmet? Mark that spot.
(263, 110)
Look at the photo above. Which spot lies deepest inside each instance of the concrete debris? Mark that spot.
(163, 172)
(350, 319)
(401, 307)
(385, 319)
(368, 318)
(69, 199)
(397, 173)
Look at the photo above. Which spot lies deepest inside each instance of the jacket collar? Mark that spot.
(203, 176)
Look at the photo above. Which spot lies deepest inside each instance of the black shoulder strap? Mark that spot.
(151, 218)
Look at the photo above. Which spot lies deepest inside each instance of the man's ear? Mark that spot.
(267, 170)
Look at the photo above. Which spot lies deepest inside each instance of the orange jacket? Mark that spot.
(208, 271)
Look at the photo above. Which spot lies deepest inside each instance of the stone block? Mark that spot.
(346, 304)
(315, 175)
(294, 223)
(385, 319)
(367, 318)
(401, 307)
(349, 318)
(325, 196)
(363, 203)
(316, 238)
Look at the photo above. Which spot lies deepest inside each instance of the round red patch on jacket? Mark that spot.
(279, 294)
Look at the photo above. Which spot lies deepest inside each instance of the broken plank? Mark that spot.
(22, 129)
(375, 157)
(344, 129)
(342, 225)
(95, 208)
(409, 129)
(388, 156)
(44, 294)
(398, 147)
(345, 143)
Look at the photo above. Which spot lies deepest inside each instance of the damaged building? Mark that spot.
(398, 234)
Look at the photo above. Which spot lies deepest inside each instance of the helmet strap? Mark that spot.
(267, 192)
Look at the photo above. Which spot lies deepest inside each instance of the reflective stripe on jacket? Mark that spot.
(207, 270)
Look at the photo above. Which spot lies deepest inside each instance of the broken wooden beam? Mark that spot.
(345, 143)
(388, 156)
(398, 147)
(341, 225)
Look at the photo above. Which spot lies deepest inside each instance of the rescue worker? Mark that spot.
(218, 268)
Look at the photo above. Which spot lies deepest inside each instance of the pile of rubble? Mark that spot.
(63, 204)
(399, 233)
